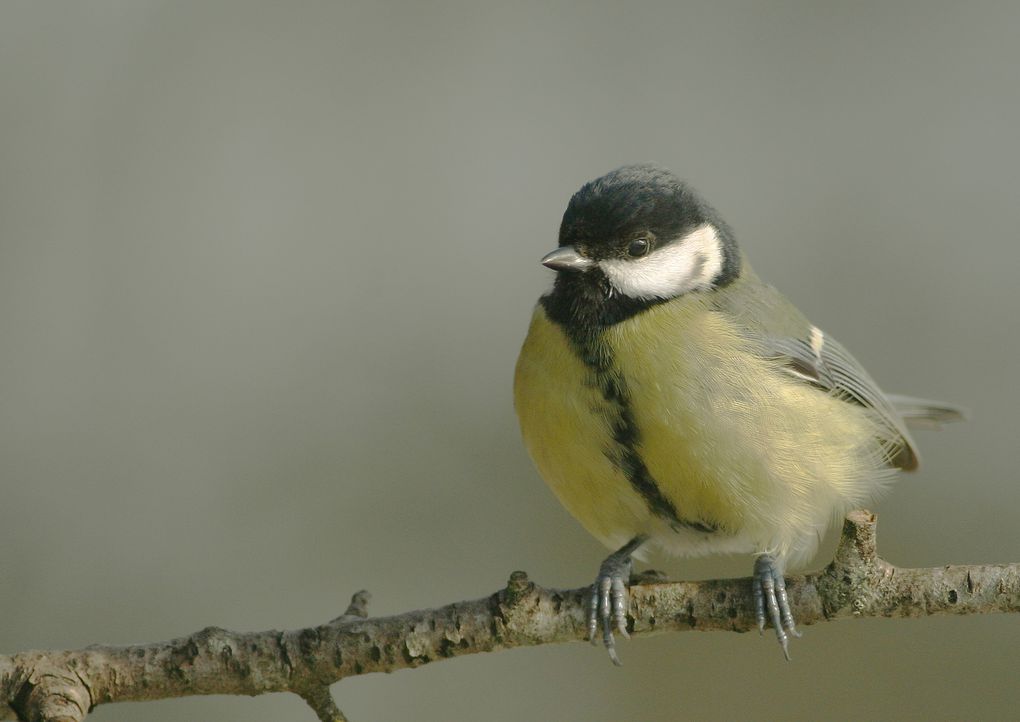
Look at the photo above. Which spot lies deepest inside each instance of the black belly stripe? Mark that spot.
(629, 461)
(597, 356)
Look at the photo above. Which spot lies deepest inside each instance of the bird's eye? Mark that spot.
(638, 247)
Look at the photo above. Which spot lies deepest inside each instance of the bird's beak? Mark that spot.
(566, 259)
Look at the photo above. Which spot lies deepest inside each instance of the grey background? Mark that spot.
(265, 268)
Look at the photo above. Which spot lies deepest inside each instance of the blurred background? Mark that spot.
(265, 269)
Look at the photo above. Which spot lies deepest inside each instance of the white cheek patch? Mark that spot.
(687, 264)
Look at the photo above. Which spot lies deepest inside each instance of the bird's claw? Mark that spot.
(769, 589)
(608, 609)
(610, 602)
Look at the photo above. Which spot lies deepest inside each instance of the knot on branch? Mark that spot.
(858, 544)
(359, 604)
(53, 696)
(357, 609)
(525, 613)
(518, 587)
(850, 583)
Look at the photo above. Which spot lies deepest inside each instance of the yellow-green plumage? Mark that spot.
(731, 439)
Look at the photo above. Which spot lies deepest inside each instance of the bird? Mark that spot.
(673, 401)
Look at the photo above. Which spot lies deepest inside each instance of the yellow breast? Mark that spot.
(729, 440)
(565, 422)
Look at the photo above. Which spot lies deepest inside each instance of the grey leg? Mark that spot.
(769, 589)
(610, 599)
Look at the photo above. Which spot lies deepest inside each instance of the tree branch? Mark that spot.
(63, 686)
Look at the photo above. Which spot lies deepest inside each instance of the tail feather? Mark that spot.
(924, 413)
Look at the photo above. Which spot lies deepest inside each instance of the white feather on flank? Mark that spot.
(817, 341)
(686, 264)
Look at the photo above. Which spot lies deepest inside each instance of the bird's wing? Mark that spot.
(824, 363)
(810, 356)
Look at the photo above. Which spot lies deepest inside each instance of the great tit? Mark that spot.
(670, 398)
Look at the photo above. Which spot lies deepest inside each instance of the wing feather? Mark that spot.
(812, 357)
(824, 363)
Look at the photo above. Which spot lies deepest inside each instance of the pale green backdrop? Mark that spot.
(265, 267)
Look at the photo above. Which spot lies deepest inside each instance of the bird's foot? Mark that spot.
(610, 599)
(769, 588)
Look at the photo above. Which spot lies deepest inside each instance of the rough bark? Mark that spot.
(63, 686)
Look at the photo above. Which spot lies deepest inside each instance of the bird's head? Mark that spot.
(641, 236)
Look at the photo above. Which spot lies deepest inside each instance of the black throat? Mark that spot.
(584, 305)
